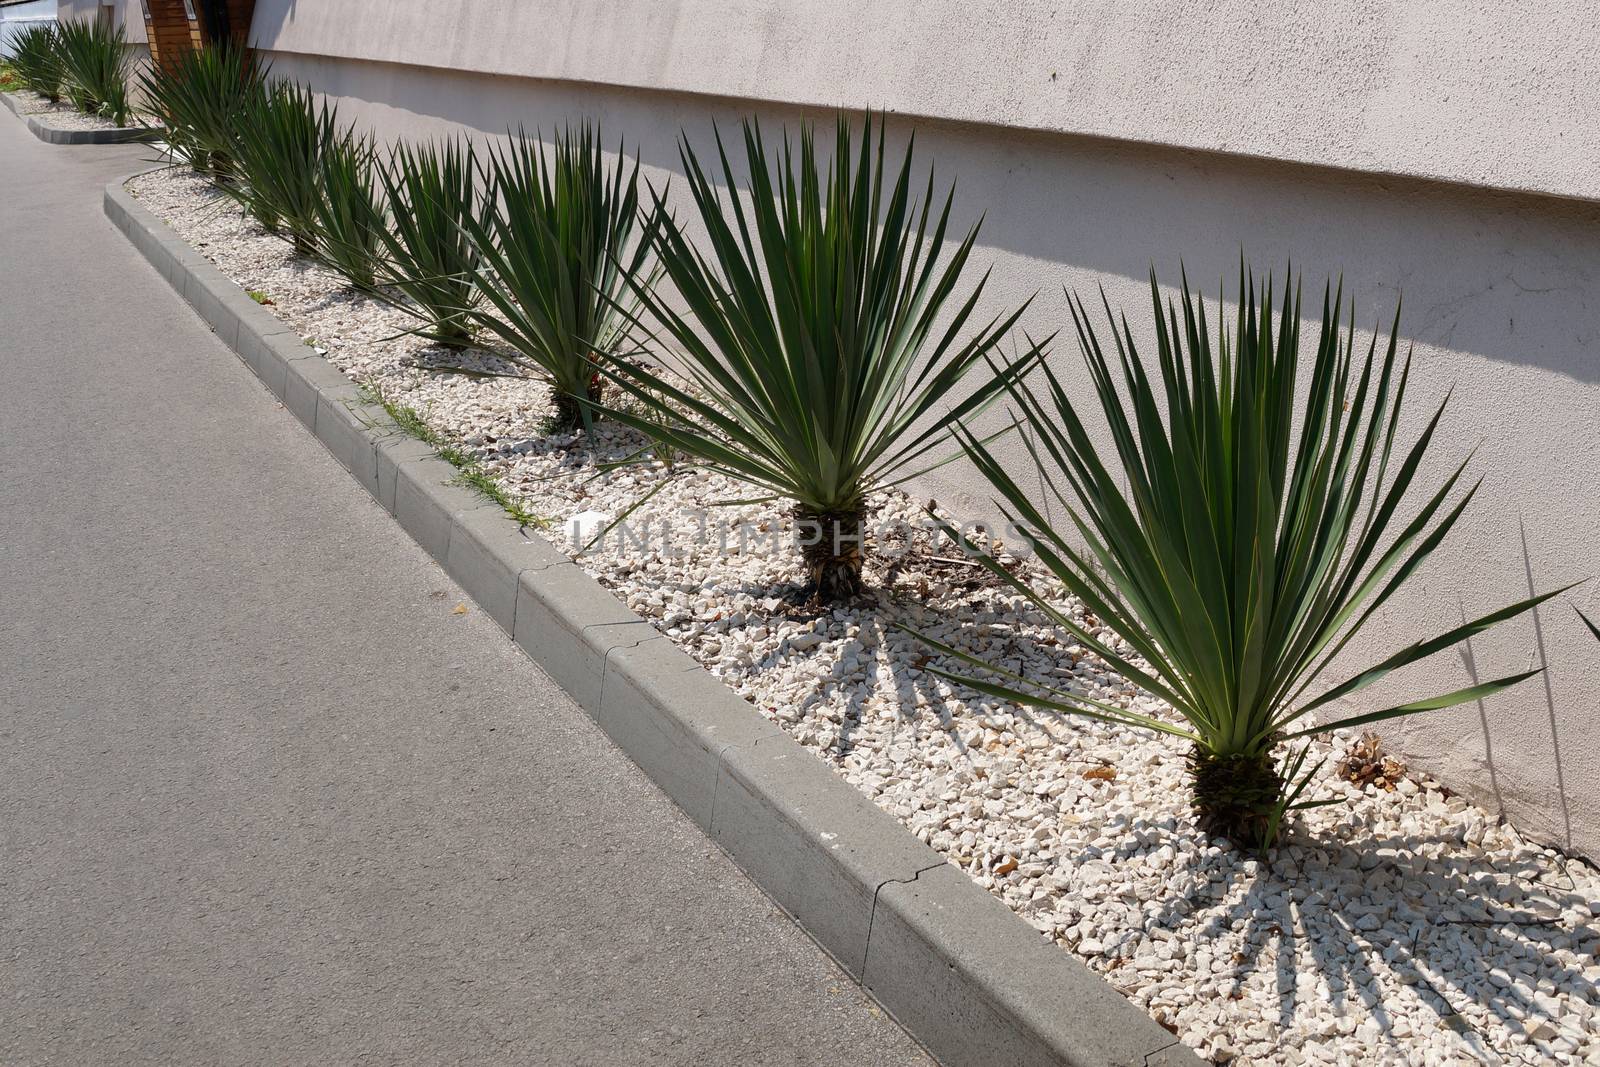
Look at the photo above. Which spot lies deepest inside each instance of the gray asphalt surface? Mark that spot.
(264, 798)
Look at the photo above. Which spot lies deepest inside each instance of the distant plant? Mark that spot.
(36, 60)
(349, 217)
(95, 63)
(279, 143)
(199, 98)
(432, 194)
(1251, 544)
(560, 262)
(821, 340)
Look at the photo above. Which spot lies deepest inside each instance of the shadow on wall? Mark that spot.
(1497, 292)
(1492, 274)
(1506, 276)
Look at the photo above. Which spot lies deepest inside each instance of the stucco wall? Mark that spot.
(129, 13)
(1493, 94)
(1193, 131)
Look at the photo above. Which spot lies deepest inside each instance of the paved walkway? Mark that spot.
(263, 797)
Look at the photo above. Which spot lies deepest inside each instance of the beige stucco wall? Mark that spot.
(1172, 130)
(128, 12)
(1493, 94)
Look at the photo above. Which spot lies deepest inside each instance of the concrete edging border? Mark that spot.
(51, 135)
(959, 970)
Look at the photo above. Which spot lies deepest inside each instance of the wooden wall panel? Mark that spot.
(171, 31)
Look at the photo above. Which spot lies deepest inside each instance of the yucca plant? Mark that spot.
(36, 59)
(821, 337)
(279, 143)
(559, 262)
(1590, 624)
(95, 63)
(200, 97)
(432, 195)
(349, 215)
(1252, 543)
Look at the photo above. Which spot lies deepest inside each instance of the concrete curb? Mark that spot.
(51, 135)
(956, 967)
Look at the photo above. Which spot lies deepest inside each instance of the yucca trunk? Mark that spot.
(567, 413)
(831, 544)
(1235, 796)
(217, 166)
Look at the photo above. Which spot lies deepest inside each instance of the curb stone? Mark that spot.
(959, 970)
(52, 135)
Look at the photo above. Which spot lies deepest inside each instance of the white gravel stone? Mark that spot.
(1404, 928)
(60, 116)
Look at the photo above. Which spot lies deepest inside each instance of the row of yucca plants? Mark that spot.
(820, 342)
(1235, 539)
(531, 249)
(528, 248)
(86, 60)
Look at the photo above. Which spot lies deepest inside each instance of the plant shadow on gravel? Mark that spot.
(922, 698)
(1455, 892)
(894, 581)
(1451, 891)
(1037, 640)
(910, 714)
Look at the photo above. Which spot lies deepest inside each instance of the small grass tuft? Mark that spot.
(475, 476)
(262, 298)
(409, 421)
(469, 470)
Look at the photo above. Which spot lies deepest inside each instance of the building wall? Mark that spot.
(1470, 92)
(129, 13)
(15, 16)
(1448, 154)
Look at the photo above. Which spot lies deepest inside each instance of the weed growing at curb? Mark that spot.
(470, 471)
(259, 297)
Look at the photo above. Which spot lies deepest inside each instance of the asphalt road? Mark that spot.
(264, 796)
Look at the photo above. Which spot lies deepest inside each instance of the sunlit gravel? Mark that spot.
(60, 116)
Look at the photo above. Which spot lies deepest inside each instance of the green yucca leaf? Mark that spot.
(1236, 537)
(36, 58)
(199, 97)
(350, 218)
(95, 63)
(279, 143)
(1590, 624)
(559, 262)
(432, 196)
(821, 340)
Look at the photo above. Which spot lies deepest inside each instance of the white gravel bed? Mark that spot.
(61, 116)
(1403, 927)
